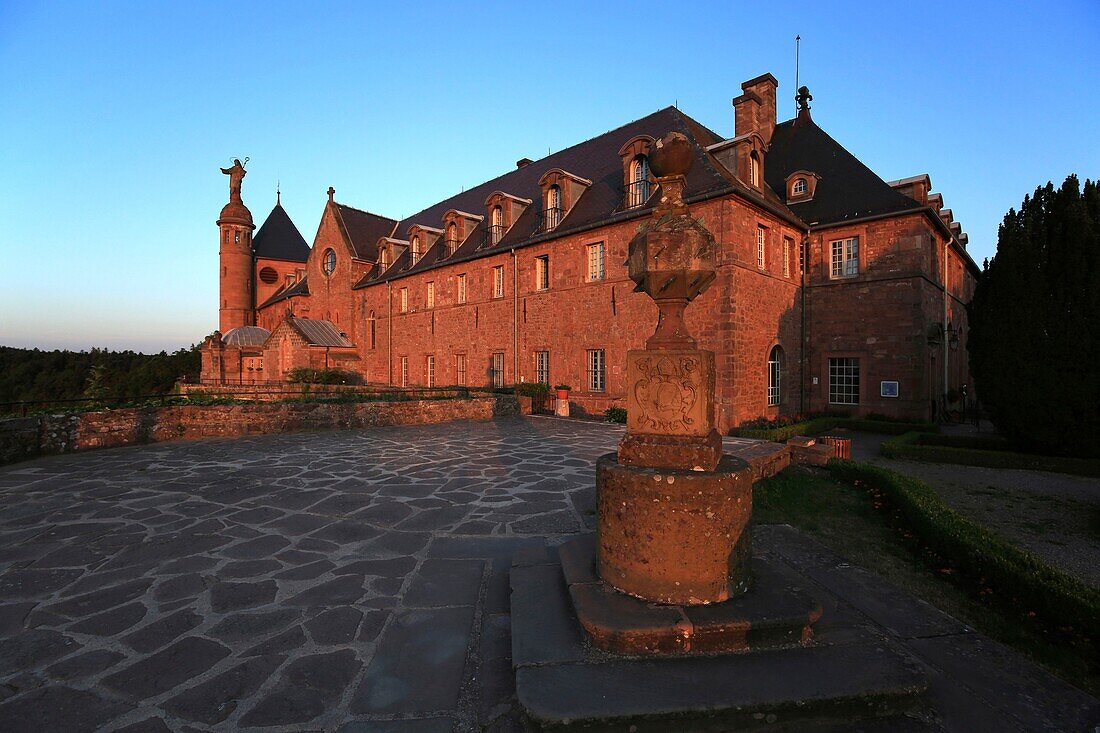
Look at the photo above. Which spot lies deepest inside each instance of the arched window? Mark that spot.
(384, 258)
(452, 238)
(799, 186)
(638, 188)
(553, 207)
(754, 169)
(328, 264)
(416, 253)
(775, 372)
(496, 224)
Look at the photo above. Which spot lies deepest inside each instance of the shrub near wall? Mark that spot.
(1019, 580)
(988, 452)
(820, 425)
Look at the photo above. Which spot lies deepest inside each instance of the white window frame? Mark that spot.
(462, 288)
(542, 272)
(799, 187)
(597, 371)
(844, 258)
(496, 369)
(496, 224)
(787, 244)
(452, 238)
(761, 242)
(404, 371)
(596, 253)
(844, 386)
(542, 366)
(639, 182)
(498, 281)
(775, 376)
(460, 370)
(431, 370)
(404, 300)
(414, 246)
(430, 293)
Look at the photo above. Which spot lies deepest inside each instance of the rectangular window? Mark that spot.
(844, 381)
(460, 370)
(404, 371)
(498, 281)
(844, 261)
(542, 367)
(462, 288)
(595, 261)
(542, 272)
(773, 378)
(787, 244)
(496, 369)
(760, 237)
(431, 295)
(404, 300)
(597, 375)
(431, 370)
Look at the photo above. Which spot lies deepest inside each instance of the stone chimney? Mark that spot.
(754, 110)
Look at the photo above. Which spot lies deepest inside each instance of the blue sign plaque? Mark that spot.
(888, 389)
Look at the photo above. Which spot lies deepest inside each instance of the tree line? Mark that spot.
(36, 375)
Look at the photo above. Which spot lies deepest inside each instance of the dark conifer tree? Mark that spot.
(1035, 322)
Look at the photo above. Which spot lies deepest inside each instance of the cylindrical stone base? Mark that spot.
(674, 536)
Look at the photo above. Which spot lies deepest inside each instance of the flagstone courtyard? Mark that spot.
(358, 581)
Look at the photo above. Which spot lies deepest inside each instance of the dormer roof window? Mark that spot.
(801, 186)
(560, 191)
(504, 211)
(457, 227)
(451, 238)
(415, 247)
(421, 239)
(638, 182)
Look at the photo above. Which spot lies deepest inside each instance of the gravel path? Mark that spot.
(1054, 515)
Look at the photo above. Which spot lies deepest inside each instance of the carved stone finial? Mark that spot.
(803, 98)
(331, 193)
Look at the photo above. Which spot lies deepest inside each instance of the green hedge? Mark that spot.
(820, 425)
(980, 451)
(1017, 578)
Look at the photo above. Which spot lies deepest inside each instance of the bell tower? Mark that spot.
(237, 306)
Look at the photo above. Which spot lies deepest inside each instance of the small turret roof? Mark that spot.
(279, 239)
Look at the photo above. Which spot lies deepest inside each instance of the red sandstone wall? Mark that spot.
(22, 438)
(282, 269)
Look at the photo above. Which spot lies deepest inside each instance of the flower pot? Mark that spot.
(563, 394)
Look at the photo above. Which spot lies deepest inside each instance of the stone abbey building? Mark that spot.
(836, 290)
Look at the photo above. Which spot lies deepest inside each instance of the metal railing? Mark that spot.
(636, 194)
(550, 219)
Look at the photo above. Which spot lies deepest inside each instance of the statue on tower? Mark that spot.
(236, 174)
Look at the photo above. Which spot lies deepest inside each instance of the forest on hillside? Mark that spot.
(32, 374)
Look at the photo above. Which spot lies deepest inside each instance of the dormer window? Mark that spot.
(754, 169)
(384, 258)
(801, 185)
(560, 191)
(552, 214)
(452, 238)
(496, 224)
(414, 246)
(638, 190)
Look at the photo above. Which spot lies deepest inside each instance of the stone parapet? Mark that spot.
(23, 438)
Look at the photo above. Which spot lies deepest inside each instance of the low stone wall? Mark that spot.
(22, 438)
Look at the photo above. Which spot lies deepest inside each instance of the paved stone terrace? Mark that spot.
(352, 581)
(297, 582)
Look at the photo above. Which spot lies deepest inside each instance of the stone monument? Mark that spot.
(664, 620)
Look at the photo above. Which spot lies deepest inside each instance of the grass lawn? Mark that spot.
(852, 523)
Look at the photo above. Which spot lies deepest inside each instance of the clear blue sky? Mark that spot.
(116, 116)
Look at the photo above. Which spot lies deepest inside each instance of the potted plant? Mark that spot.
(532, 396)
(562, 390)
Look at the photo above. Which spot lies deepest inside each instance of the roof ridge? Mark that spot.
(364, 211)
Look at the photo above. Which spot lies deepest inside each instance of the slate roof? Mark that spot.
(597, 160)
(299, 288)
(279, 239)
(319, 333)
(847, 190)
(364, 229)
